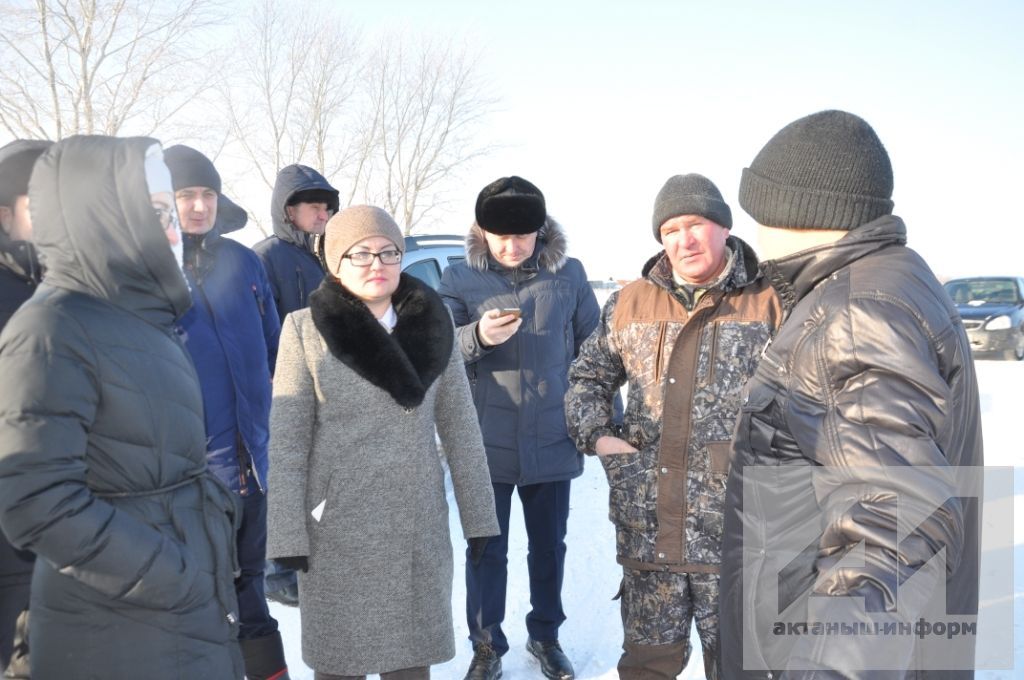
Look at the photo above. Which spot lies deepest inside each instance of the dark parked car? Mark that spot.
(992, 308)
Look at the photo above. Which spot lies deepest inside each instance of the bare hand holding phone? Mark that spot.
(498, 325)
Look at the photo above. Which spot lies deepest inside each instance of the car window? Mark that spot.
(427, 271)
(983, 291)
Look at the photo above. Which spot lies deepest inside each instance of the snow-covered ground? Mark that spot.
(592, 635)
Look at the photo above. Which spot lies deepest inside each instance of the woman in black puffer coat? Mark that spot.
(102, 446)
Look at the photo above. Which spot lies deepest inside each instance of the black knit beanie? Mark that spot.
(691, 194)
(18, 157)
(828, 170)
(189, 168)
(315, 196)
(510, 205)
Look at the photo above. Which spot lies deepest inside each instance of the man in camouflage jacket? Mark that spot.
(686, 337)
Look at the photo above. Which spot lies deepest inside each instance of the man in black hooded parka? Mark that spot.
(102, 446)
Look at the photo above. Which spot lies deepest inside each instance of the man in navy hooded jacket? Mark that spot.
(300, 206)
(231, 332)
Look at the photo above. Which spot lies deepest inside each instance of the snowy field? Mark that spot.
(592, 635)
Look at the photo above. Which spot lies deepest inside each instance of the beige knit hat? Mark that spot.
(352, 225)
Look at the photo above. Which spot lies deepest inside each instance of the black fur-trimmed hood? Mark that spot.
(553, 254)
(404, 363)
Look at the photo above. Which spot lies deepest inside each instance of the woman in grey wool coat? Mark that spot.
(363, 377)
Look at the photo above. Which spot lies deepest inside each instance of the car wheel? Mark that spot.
(1017, 353)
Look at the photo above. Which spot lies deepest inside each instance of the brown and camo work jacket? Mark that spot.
(685, 369)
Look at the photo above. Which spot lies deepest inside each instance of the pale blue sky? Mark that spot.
(602, 101)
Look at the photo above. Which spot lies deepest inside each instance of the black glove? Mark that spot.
(300, 563)
(476, 548)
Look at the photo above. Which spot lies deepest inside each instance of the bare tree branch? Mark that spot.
(102, 66)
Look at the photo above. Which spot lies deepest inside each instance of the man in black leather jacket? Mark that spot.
(851, 514)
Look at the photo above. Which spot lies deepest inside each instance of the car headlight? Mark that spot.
(1000, 323)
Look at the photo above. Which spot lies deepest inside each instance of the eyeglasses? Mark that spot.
(168, 216)
(364, 258)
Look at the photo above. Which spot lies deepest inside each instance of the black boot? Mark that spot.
(264, 658)
(486, 664)
(553, 661)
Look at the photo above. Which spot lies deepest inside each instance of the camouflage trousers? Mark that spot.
(657, 610)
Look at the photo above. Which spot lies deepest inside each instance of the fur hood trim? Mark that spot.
(552, 257)
(404, 363)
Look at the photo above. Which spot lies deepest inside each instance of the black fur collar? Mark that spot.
(404, 363)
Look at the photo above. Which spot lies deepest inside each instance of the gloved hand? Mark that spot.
(299, 563)
(477, 546)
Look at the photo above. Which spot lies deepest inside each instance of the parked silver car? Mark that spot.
(992, 308)
(427, 256)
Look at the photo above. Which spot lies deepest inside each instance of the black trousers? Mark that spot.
(546, 513)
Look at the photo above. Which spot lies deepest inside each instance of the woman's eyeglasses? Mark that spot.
(168, 216)
(364, 258)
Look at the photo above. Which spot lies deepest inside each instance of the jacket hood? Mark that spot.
(16, 161)
(291, 180)
(744, 267)
(794, 276)
(230, 216)
(95, 228)
(551, 238)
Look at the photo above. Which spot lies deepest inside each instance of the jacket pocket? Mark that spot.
(720, 457)
(631, 495)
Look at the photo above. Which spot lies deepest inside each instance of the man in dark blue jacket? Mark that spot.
(300, 206)
(231, 332)
(20, 273)
(302, 203)
(523, 309)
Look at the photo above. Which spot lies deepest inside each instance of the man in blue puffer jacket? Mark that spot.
(231, 332)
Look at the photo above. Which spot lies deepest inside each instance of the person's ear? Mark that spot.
(289, 213)
(6, 218)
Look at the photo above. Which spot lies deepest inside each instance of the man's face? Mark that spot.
(695, 246)
(197, 209)
(511, 251)
(308, 217)
(16, 220)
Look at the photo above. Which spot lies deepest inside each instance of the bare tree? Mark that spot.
(101, 66)
(391, 128)
(285, 96)
(426, 105)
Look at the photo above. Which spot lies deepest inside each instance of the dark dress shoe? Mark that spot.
(553, 661)
(486, 664)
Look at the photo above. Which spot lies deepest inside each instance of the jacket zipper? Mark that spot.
(259, 300)
(302, 287)
(660, 351)
(714, 353)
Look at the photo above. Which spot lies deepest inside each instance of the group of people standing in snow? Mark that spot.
(177, 408)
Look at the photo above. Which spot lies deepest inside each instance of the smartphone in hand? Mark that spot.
(514, 311)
